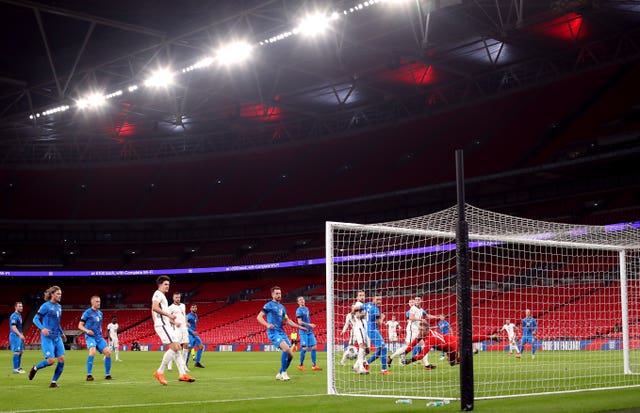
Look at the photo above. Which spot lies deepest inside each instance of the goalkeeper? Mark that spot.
(434, 339)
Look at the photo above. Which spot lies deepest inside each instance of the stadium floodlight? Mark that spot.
(132, 88)
(159, 78)
(235, 52)
(200, 64)
(51, 111)
(114, 94)
(315, 24)
(91, 101)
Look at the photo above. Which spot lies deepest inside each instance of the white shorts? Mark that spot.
(393, 338)
(360, 337)
(167, 334)
(411, 334)
(114, 343)
(182, 335)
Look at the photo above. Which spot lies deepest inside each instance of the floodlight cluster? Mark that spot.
(160, 78)
(200, 64)
(235, 52)
(93, 100)
(312, 25)
(51, 111)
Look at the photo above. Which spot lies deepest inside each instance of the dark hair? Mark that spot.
(162, 279)
(275, 287)
(16, 304)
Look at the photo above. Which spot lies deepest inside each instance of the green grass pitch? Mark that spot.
(241, 382)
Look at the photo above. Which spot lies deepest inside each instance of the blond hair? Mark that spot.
(49, 292)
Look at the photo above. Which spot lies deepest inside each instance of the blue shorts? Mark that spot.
(194, 340)
(278, 337)
(52, 348)
(307, 339)
(528, 339)
(99, 343)
(17, 345)
(376, 339)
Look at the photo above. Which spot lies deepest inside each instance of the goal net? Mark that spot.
(581, 285)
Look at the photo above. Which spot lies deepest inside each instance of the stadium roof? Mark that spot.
(379, 61)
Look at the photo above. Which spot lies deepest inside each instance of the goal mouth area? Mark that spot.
(555, 270)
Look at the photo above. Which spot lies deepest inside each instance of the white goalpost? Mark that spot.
(581, 284)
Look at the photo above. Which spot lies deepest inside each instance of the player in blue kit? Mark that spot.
(529, 329)
(374, 320)
(51, 335)
(444, 327)
(91, 324)
(195, 343)
(307, 338)
(272, 316)
(16, 338)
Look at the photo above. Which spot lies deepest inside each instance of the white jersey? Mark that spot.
(359, 332)
(511, 330)
(180, 323)
(180, 312)
(160, 320)
(413, 326)
(112, 331)
(348, 323)
(392, 326)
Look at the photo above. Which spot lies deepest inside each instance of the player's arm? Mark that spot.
(37, 320)
(263, 321)
(302, 323)
(190, 328)
(81, 327)
(432, 317)
(294, 325)
(409, 349)
(176, 312)
(155, 307)
(347, 322)
(17, 332)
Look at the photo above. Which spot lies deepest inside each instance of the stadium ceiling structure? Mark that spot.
(77, 85)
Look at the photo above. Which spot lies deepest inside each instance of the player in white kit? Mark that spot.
(112, 335)
(180, 324)
(510, 328)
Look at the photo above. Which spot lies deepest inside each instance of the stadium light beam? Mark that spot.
(159, 78)
(236, 52)
(91, 101)
(315, 24)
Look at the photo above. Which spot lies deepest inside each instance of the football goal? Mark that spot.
(569, 294)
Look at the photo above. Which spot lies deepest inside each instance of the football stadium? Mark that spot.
(383, 205)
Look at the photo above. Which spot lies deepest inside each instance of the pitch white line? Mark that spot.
(180, 403)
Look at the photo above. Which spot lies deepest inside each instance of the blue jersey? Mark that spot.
(48, 317)
(15, 320)
(373, 314)
(529, 326)
(303, 314)
(444, 327)
(276, 314)
(93, 321)
(192, 319)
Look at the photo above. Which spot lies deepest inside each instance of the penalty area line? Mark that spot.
(180, 403)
